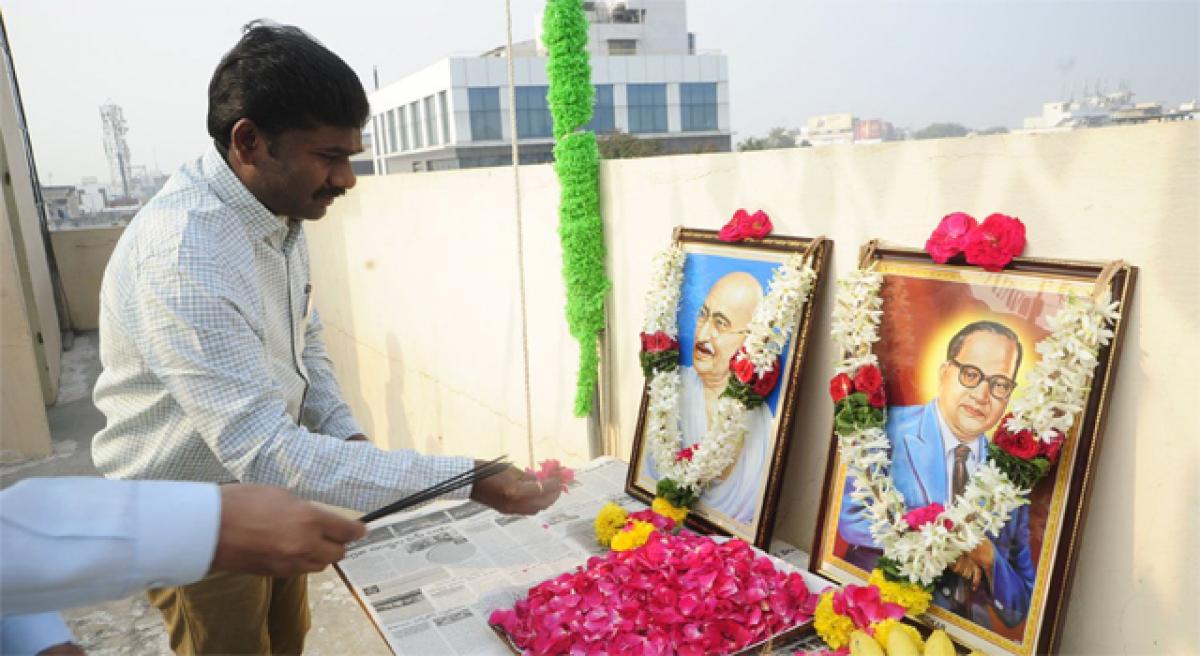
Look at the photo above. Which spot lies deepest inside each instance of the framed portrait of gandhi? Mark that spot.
(723, 285)
(956, 345)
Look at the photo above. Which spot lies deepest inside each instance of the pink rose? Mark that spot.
(919, 517)
(735, 229)
(658, 342)
(995, 242)
(949, 238)
(757, 225)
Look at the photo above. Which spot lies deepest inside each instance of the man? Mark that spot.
(721, 328)
(935, 449)
(214, 366)
(70, 542)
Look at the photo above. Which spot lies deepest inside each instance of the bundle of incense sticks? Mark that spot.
(480, 472)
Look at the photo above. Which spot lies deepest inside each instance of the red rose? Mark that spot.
(1022, 444)
(757, 225)
(684, 454)
(735, 229)
(995, 242)
(840, 387)
(659, 341)
(868, 379)
(742, 367)
(878, 398)
(949, 238)
(1051, 449)
(766, 381)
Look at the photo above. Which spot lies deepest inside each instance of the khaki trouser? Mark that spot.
(226, 613)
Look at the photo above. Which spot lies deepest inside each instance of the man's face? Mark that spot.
(722, 321)
(970, 412)
(307, 169)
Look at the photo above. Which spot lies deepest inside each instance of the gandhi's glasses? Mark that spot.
(970, 376)
(719, 321)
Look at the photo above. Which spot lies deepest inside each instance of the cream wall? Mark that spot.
(415, 276)
(31, 256)
(24, 431)
(82, 256)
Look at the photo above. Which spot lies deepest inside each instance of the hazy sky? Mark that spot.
(976, 62)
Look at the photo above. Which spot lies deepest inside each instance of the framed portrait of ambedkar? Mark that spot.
(960, 350)
(729, 300)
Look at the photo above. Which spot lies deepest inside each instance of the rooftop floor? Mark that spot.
(131, 625)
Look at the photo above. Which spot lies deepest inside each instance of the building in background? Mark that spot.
(1099, 109)
(650, 82)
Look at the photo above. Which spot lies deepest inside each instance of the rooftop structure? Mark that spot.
(649, 81)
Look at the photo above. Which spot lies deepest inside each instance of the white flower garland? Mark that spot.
(1058, 387)
(770, 328)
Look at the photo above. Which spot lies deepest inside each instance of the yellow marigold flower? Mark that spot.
(913, 597)
(885, 628)
(667, 509)
(834, 629)
(632, 537)
(609, 521)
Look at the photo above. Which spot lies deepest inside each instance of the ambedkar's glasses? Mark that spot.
(970, 376)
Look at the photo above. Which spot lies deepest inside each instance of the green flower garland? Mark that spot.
(577, 163)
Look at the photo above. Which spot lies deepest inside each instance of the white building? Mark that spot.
(649, 82)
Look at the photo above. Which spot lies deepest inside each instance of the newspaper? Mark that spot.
(430, 578)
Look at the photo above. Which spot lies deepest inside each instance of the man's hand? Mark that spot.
(266, 530)
(514, 492)
(970, 572)
(984, 555)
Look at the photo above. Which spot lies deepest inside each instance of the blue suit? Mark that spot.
(919, 473)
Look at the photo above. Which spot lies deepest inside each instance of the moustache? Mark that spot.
(329, 192)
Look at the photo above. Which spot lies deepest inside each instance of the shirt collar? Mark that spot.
(260, 221)
(950, 441)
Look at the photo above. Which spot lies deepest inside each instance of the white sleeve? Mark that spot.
(76, 541)
(30, 634)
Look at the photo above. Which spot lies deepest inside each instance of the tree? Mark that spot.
(622, 145)
(941, 131)
(752, 143)
(780, 138)
(999, 129)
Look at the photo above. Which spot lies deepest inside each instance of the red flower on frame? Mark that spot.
(840, 387)
(868, 379)
(1052, 448)
(743, 225)
(919, 517)
(878, 398)
(658, 342)
(1021, 444)
(995, 242)
(685, 453)
(766, 381)
(949, 238)
(742, 367)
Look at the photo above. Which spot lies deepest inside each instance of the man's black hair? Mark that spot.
(282, 79)
(956, 342)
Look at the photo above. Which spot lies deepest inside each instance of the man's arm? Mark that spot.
(1010, 569)
(207, 354)
(853, 525)
(77, 541)
(325, 411)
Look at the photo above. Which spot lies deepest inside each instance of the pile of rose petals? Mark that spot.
(553, 469)
(677, 594)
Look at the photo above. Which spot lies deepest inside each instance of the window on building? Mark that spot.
(603, 120)
(402, 119)
(444, 106)
(431, 121)
(698, 102)
(391, 129)
(620, 47)
(533, 112)
(647, 107)
(484, 108)
(414, 125)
